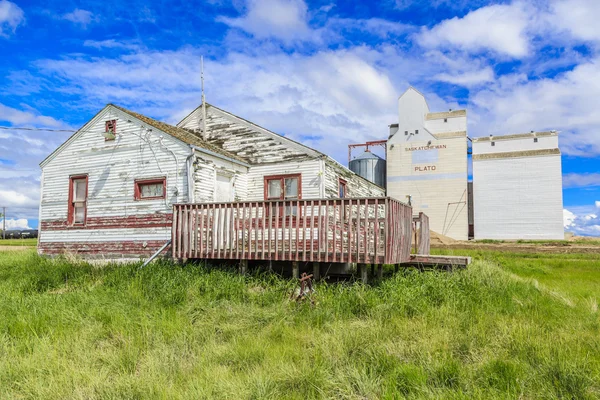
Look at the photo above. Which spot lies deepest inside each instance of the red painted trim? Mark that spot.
(137, 192)
(282, 197)
(131, 248)
(113, 122)
(71, 206)
(131, 221)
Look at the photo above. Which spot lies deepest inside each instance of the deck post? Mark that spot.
(295, 270)
(316, 271)
(243, 267)
(372, 269)
(380, 271)
(396, 268)
(364, 269)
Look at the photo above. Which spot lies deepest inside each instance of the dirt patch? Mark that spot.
(439, 239)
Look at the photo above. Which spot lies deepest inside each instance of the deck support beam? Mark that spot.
(243, 267)
(364, 272)
(295, 270)
(380, 271)
(316, 271)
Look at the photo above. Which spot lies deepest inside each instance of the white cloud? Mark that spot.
(577, 17)
(80, 17)
(468, 79)
(11, 16)
(112, 44)
(12, 198)
(16, 224)
(583, 221)
(566, 102)
(20, 117)
(573, 180)
(282, 19)
(498, 28)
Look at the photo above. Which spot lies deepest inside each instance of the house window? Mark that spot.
(150, 189)
(78, 200)
(284, 187)
(416, 132)
(535, 140)
(342, 188)
(110, 127)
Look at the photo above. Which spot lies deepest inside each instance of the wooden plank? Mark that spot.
(243, 217)
(312, 230)
(298, 217)
(319, 232)
(290, 220)
(237, 228)
(304, 227)
(174, 232)
(263, 208)
(326, 230)
(376, 233)
(202, 211)
(366, 233)
(334, 231)
(277, 231)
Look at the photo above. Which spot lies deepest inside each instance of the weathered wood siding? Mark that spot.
(206, 168)
(245, 139)
(311, 178)
(356, 186)
(112, 167)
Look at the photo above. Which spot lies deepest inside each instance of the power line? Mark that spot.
(36, 129)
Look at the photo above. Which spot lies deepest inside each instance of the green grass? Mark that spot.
(18, 242)
(576, 276)
(71, 330)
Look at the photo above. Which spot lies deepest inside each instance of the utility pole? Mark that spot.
(203, 99)
(3, 222)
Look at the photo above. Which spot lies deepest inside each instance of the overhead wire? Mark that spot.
(19, 128)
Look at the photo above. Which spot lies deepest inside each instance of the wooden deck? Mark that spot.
(365, 230)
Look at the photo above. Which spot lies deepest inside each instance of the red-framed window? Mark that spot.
(342, 188)
(284, 187)
(150, 189)
(78, 192)
(110, 126)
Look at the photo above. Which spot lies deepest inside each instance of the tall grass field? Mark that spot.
(509, 326)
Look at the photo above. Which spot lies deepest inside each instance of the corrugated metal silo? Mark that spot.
(371, 167)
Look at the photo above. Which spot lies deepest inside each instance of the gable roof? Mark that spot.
(181, 134)
(185, 135)
(220, 133)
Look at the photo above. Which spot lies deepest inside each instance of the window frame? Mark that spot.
(114, 130)
(343, 183)
(71, 206)
(137, 192)
(282, 179)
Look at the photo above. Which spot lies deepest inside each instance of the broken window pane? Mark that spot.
(291, 188)
(79, 212)
(274, 189)
(151, 190)
(79, 189)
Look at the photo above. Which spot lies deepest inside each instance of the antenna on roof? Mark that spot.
(203, 98)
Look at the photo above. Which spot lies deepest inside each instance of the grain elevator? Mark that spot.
(517, 190)
(427, 163)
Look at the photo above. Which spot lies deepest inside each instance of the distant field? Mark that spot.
(18, 242)
(509, 326)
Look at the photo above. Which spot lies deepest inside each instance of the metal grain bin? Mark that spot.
(371, 167)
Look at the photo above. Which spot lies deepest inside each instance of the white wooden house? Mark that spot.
(109, 190)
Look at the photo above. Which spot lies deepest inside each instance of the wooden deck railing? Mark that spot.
(365, 230)
(422, 242)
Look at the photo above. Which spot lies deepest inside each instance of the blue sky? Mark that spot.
(321, 72)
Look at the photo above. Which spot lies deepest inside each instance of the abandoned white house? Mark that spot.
(109, 190)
